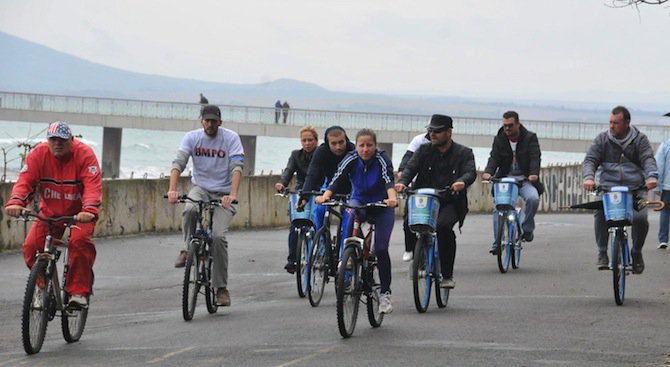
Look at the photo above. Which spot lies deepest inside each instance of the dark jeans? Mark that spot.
(410, 237)
(446, 238)
(665, 217)
(638, 235)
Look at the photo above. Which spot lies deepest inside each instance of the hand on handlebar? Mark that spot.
(173, 197)
(589, 185)
(486, 176)
(457, 186)
(15, 210)
(228, 200)
(85, 217)
(279, 187)
(400, 187)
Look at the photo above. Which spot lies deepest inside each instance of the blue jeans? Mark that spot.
(529, 194)
(665, 217)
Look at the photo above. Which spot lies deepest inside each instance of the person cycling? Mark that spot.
(298, 163)
(516, 152)
(218, 160)
(443, 163)
(620, 156)
(67, 175)
(370, 174)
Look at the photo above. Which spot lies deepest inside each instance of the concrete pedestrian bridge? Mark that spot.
(249, 121)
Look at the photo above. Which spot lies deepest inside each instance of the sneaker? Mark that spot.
(663, 245)
(528, 236)
(290, 267)
(603, 261)
(38, 301)
(180, 262)
(385, 303)
(407, 256)
(495, 249)
(638, 262)
(448, 283)
(222, 297)
(77, 301)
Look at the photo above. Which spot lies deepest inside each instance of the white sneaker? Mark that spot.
(448, 283)
(77, 301)
(385, 303)
(407, 256)
(662, 245)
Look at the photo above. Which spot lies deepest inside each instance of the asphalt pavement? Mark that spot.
(556, 309)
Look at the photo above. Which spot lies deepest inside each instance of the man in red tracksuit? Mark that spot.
(67, 175)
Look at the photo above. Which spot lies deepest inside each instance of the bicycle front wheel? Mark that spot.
(36, 304)
(516, 245)
(618, 268)
(318, 267)
(348, 292)
(302, 256)
(191, 285)
(73, 320)
(374, 282)
(503, 240)
(210, 291)
(421, 277)
(441, 294)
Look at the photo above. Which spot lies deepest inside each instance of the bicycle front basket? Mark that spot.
(303, 218)
(423, 208)
(618, 207)
(505, 193)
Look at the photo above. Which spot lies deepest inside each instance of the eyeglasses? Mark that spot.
(436, 131)
(508, 126)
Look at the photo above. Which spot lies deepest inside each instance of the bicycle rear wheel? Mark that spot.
(348, 292)
(191, 285)
(421, 277)
(374, 282)
(73, 320)
(210, 291)
(503, 240)
(302, 259)
(318, 268)
(36, 304)
(618, 268)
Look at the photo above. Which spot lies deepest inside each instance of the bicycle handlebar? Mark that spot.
(409, 192)
(286, 193)
(376, 204)
(184, 198)
(69, 219)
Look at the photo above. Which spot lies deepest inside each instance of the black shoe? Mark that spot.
(290, 267)
(603, 261)
(528, 236)
(495, 250)
(638, 263)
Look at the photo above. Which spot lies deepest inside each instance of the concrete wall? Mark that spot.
(137, 206)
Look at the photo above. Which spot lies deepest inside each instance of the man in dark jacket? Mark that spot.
(621, 156)
(516, 152)
(443, 163)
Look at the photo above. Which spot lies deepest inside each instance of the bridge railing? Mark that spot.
(299, 117)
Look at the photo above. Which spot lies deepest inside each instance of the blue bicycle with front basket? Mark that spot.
(423, 209)
(507, 222)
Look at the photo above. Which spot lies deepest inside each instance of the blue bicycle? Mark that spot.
(423, 208)
(508, 241)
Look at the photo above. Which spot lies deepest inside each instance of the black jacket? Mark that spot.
(298, 163)
(323, 166)
(434, 169)
(527, 155)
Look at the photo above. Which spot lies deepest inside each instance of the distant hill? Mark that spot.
(29, 67)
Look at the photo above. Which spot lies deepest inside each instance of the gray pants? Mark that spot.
(638, 235)
(221, 222)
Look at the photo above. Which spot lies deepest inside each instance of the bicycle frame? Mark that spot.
(507, 222)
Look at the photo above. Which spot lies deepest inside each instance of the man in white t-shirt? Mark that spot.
(410, 237)
(218, 160)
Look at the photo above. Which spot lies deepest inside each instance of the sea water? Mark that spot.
(149, 154)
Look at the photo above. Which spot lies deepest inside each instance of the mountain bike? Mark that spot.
(357, 273)
(423, 206)
(303, 225)
(325, 252)
(198, 268)
(507, 222)
(45, 296)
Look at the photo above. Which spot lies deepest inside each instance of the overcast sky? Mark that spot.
(519, 49)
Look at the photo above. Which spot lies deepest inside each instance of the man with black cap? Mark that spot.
(218, 160)
(516, 152)
(67, 175)
(440, 164)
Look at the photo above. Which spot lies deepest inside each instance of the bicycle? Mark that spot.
(323, 262)
(508, 241)
(198, 268)
(423, 208)
(304, 227)
(44, 295)
(357, 273)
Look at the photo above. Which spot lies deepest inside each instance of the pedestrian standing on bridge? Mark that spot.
(298, 163)
(516, 152)
(67, 175)
(284, 109)
(663, 188)
(218, 160)
(277, 111)
(443, 163)
(620, 156)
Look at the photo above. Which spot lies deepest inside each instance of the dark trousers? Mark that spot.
(446, 238)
